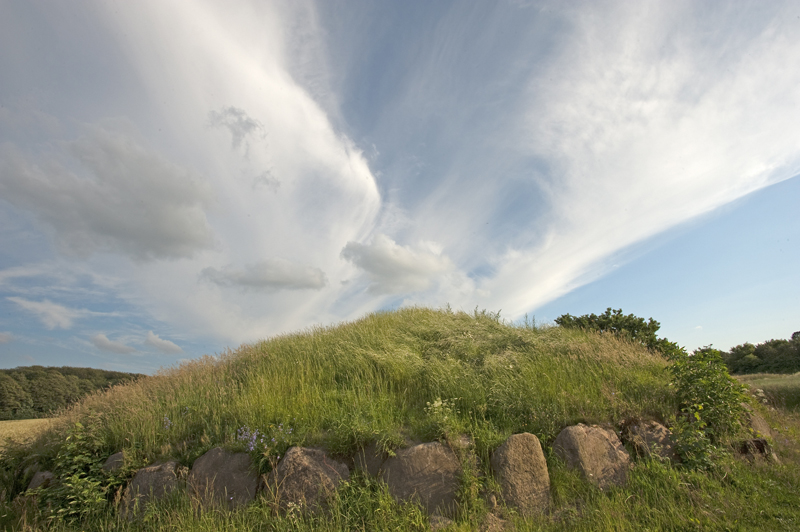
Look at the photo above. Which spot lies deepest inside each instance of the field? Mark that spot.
(779, 390)
(23, 430)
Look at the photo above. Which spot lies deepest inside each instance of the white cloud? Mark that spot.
(395, 269)
(51, 314)
(270, 274)
(165, 346)
(126, 199)
(5, 337)
(102, 343)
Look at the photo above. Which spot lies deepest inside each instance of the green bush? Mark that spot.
(710, 401)
(82, 486)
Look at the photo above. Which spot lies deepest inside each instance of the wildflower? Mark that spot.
(167, 423)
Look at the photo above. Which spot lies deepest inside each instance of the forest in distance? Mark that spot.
(36, 391)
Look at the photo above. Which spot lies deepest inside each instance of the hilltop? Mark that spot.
(417, 375)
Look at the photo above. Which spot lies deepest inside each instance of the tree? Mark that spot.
(628, 326)
(13, 397)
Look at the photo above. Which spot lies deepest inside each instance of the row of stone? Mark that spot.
(427, 473)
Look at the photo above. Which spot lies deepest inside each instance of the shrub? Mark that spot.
(711, 403)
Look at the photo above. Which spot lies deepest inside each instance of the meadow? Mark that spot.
(779, 390)
(412, 374)
(23, 430)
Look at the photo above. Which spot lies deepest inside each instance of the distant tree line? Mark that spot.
(772, 356)
(36, 391)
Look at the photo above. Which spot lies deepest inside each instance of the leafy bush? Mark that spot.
(82, 486)
(711, 404)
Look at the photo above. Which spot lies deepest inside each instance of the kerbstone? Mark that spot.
(220, 476)
(428, 473)
(521, 470)
(596, 452)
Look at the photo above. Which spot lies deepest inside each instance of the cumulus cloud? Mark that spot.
(238, 123)
(395, 269)
(5, 337)
(51, 314)
(270, 275)
(126, 200)
(165, 346)
(102, 343)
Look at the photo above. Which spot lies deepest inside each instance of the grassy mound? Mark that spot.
(416, 374)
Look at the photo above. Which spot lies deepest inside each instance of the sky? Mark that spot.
(180, 178)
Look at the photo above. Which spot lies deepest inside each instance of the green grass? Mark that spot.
(416, 374)
(779, 390)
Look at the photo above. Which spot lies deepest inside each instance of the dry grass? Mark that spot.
(23, 430)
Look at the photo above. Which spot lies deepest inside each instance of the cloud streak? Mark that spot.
(52, 315)
(270, 275)
(101, 342)
(165, 346)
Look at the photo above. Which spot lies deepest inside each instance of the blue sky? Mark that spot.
(179, 178)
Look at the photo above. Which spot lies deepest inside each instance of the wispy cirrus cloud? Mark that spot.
(52, 315)
(655, 122)
(6, 337)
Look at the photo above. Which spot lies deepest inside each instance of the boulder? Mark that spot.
(219, 476)
(757, 448)
(370, 459)
(41, 479)
(306, 477)
(114, 462)
(652, 438)
(428, 473)
(150, 484)
(596, 452)
(759, 426)
(521, 471)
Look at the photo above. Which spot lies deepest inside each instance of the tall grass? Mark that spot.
(373, 380)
